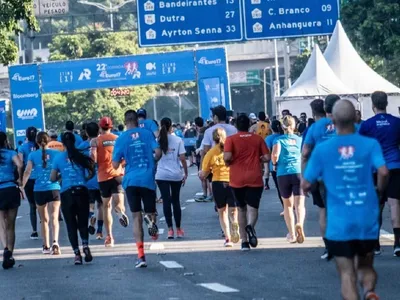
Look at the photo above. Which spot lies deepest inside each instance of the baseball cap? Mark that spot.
(52, 133)
(106, 123)
(252, 116)
(141, 112)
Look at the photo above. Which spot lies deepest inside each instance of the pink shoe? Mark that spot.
(170, 234)
(180, 233)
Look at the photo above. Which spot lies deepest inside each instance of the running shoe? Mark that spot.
(326, 255)
(291, 239)
(152, 227)
(34, 236)
(209, 199)
(253, 241)
(396, 251)
(245, 246)
(300, 234)
(123, 219)
(8, 260)
(171, 234)
(78, 259)
(266, 188)
(180, 233)
(109, 242)
(200, 198)
(99, 236)
(377, 250)
(92, 223)
(235, 237)
(46, 250)
(141, 263)
(88, 254)
(55, 249)
(371, 296)
(228, 243)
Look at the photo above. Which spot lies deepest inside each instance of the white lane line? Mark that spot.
(190, 201)
(194, 174)
(157, 246)
(386, 235)
(162, 219)
(161, 231)
(199, 194)
(19, 217)
(217, 287)
(183, 208)
(170, 264)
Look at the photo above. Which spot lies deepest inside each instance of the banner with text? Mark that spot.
(3, 125)
(26, 100)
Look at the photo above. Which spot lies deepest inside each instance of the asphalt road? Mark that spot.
(196, 267)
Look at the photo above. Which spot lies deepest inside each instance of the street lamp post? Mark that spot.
(110, 9)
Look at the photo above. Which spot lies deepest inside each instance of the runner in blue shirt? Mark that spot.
(10, 198)
(136, 146)
(320, 131)
(92, 130)
(75, 169)
(346, 164)
(46, 193)
(385, 128)
(147, 123)
(277, 131)
(23, 152)
(69, 127)
(286, 158)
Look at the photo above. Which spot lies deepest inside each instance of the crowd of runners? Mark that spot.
(349, 166)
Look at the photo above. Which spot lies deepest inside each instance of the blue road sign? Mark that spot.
(265, 19)
(108, 72)
(173, 22)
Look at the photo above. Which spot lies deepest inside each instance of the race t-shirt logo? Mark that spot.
(346, 152)
(135, 136)
(330, 128)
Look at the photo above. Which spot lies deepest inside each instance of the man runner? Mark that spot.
(385, 128)
(346, 163)
(244, 152)
(319, 132)
(136, 146)
(146, 123)
(110, 179)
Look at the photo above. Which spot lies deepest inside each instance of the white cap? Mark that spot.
(252, 116)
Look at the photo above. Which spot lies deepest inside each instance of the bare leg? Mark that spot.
(54, 212)
(243, 223)
(395, 214)
(300, 209)
(138, 227)
(233, 214)
(289, 215)
(119, 203)
(11, 217)
(108, 220)
(224, 221)
(252, 216)
(322, 221)
(366, 273)
(44, 217)
(100, 211)
(348, 278)
(3, 228)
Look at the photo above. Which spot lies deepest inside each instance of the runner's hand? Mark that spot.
(184, 180)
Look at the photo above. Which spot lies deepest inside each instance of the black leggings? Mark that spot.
(75, 208)
(274, 177)
(32, 205)
(170, 191)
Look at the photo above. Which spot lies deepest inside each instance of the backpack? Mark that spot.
(263, 129)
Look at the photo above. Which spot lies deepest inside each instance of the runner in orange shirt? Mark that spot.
(109, 179)
(54, 144)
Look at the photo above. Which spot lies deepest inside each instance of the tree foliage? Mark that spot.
(11, 13)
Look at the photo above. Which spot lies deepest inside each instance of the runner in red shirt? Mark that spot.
(245, 153)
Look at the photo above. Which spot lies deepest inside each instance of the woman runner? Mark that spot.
(169, 176)
(223, 195)
(72, 165)
(23, 152)
(286, 156)
(10, 198)
(277, 131)
(46, 193)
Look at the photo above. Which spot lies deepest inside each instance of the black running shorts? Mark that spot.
(290, 185)
(248, 196)
(137, 195)
(319, 195)
(111, 187)
(223, 194)
(42, 198)
(95, 196)
(10, 198)
(393, 188)
(351, 248)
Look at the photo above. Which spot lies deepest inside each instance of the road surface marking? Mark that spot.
(190, 200)
(386, 235)
(162, 219)
(170, 264)
(199, 194)
(161, 231)
(183, 208)
(19, 217)
(217, 287)
(157, 246)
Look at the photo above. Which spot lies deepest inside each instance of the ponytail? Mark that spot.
(31, 134)
(42, 139)
(219, 137)
(166, 124)
(76, 156)
(3, 145)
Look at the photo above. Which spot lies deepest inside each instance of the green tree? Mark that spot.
(11, 13)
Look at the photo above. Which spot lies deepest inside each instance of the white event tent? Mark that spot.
(340, 71)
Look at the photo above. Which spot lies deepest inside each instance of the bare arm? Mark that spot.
(27, 173)
(21, 156)
(276, 151)
(53, 175)
(305, 186)
(228, 158)
(305, 156)
(93, 150)
(182, 158)
(18, 163)
(157, 154)
(383, 176)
